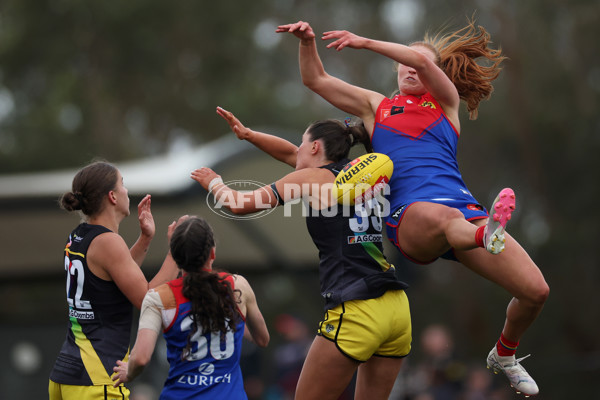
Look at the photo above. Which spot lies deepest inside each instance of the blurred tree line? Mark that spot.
(128, 79)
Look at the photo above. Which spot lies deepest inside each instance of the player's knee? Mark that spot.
(543, 293)
(539, 294)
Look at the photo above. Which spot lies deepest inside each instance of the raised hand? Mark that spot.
(173, 225)
(204, 176)
(236, 126)
(344, 39)
(145, 217)
(302, 30)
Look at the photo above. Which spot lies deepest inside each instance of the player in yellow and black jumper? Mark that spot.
(103, 281)
(367, 323)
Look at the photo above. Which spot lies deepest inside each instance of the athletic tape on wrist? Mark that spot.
(214, 182)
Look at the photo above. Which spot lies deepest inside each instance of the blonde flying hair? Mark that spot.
(457, 54)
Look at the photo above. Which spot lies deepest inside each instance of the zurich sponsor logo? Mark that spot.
(205, 377)
(206, 368)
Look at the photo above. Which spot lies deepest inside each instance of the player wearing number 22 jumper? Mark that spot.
(103, 281)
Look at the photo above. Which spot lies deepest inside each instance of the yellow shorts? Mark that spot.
(364, 328)
(58, 391)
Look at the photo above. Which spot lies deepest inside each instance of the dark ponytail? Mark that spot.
(360, 135)
(214, 307)
(338, 137)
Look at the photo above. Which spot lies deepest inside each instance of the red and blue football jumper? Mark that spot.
(416, 134)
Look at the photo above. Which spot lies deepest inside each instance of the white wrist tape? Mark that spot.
(214, 183)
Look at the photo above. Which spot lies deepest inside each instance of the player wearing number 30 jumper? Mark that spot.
(367, 324)
(104, 280)
(203, 315)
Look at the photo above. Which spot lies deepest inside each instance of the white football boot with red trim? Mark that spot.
(519, 379)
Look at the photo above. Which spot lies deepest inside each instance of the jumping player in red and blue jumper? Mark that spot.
(433, 214)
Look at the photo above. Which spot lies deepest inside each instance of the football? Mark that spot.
(363, 178)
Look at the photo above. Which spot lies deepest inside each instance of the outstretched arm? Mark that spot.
(352, 99)
(290, 187)
(138, 251)
(126, 371)
(109, 256)
(147, 229)
(433, 78)
(278, 148)
(169, 270)
(149, 327)
(239, 202)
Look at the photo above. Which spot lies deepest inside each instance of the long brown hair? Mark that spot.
(214, 307)
(458, 53)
